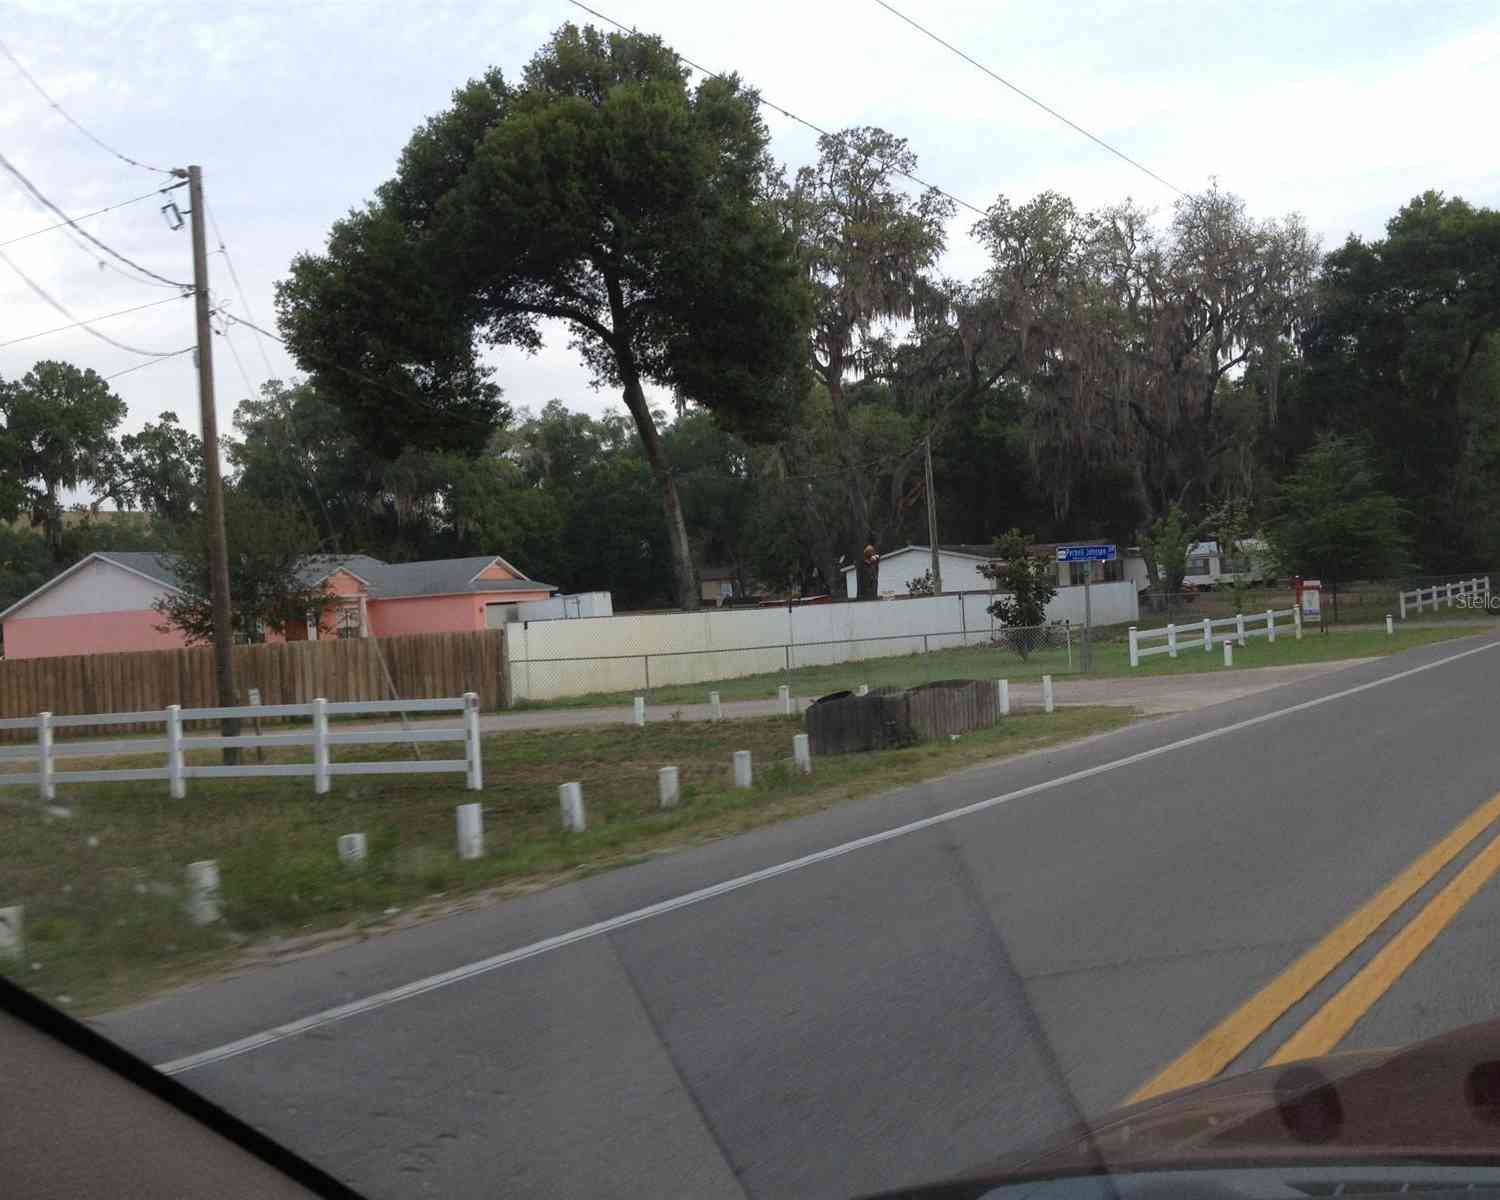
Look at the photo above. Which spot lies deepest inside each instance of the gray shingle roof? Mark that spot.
(387, 580)
(156, 566)
(440, 576)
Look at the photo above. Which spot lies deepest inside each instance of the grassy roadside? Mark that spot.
(104, 921)
(1111, 660)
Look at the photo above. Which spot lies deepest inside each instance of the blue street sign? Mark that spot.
(1104, 553)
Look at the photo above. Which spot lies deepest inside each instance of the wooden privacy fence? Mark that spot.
(426, 666)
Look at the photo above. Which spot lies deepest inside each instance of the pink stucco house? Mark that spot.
(104, 603)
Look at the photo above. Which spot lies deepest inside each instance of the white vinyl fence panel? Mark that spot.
(1205, 634)
(1467, 593)
(174, 744)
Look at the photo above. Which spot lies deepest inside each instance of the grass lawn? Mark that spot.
(102, 887)
(1111, 658)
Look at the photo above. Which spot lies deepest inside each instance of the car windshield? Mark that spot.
(787, 600)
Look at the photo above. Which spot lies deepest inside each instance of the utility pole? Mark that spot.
(213, 505)
(932, 538)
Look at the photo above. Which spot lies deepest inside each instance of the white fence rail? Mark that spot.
(45, 752)
(1205, 634)
(1468, 593)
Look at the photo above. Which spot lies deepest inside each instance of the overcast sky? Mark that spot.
(296, 111)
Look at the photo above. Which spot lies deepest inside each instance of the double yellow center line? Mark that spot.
(1219, 1047)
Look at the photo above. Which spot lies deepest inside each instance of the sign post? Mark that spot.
(1312, 602)
(1088, 555)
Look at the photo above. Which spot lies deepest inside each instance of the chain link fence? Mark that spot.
(809, 669)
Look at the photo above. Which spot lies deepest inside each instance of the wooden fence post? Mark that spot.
(470, 830)
(668, 787)
(802, 753)
(176, 784)
(570, 797)
(45, 785)
(1135, 649)
(475, 773)
(320, 746)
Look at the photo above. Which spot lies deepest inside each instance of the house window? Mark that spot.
(252, 634)
(349, 621)
(1198, 566)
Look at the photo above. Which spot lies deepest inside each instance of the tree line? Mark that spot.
(1119, 373)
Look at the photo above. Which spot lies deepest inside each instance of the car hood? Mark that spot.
(1435, 1101)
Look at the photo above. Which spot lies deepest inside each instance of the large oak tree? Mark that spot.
(602, 191)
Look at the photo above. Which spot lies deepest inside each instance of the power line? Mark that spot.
(238, 361)
(110, 250)
(86, 216)
(58, 108)
(338, 366)
(791, 116)
(40, 291)
(102, 317)
(1098, 141)
(239, 289)
(152, 362)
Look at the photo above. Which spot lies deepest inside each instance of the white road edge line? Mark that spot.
(432, 983)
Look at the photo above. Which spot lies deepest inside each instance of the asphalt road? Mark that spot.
(905, 1007)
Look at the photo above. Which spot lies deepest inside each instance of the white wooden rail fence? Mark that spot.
(1467, 592)
(175, 744)
(1205, 634)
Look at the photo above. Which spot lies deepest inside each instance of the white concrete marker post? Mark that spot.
(1390, 626)
(1002, 691)
(784, 694)
(638, 714)
(352, 849)
(1401, 600)
(176, 783)
(1047, 705)
(475, 772)
(742, 773)
(12, 932)
(667, 787)
(715, 710)
(203, 892)
(44, 756)
(862, 690)
(1135, 647)
(320, 746)
(1297, 619)
(470, 830)
(1228, 653)
(802, 753)
(570, 798)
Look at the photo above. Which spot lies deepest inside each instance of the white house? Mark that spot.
(898, 568)
(961, 564)
(1207, 567)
